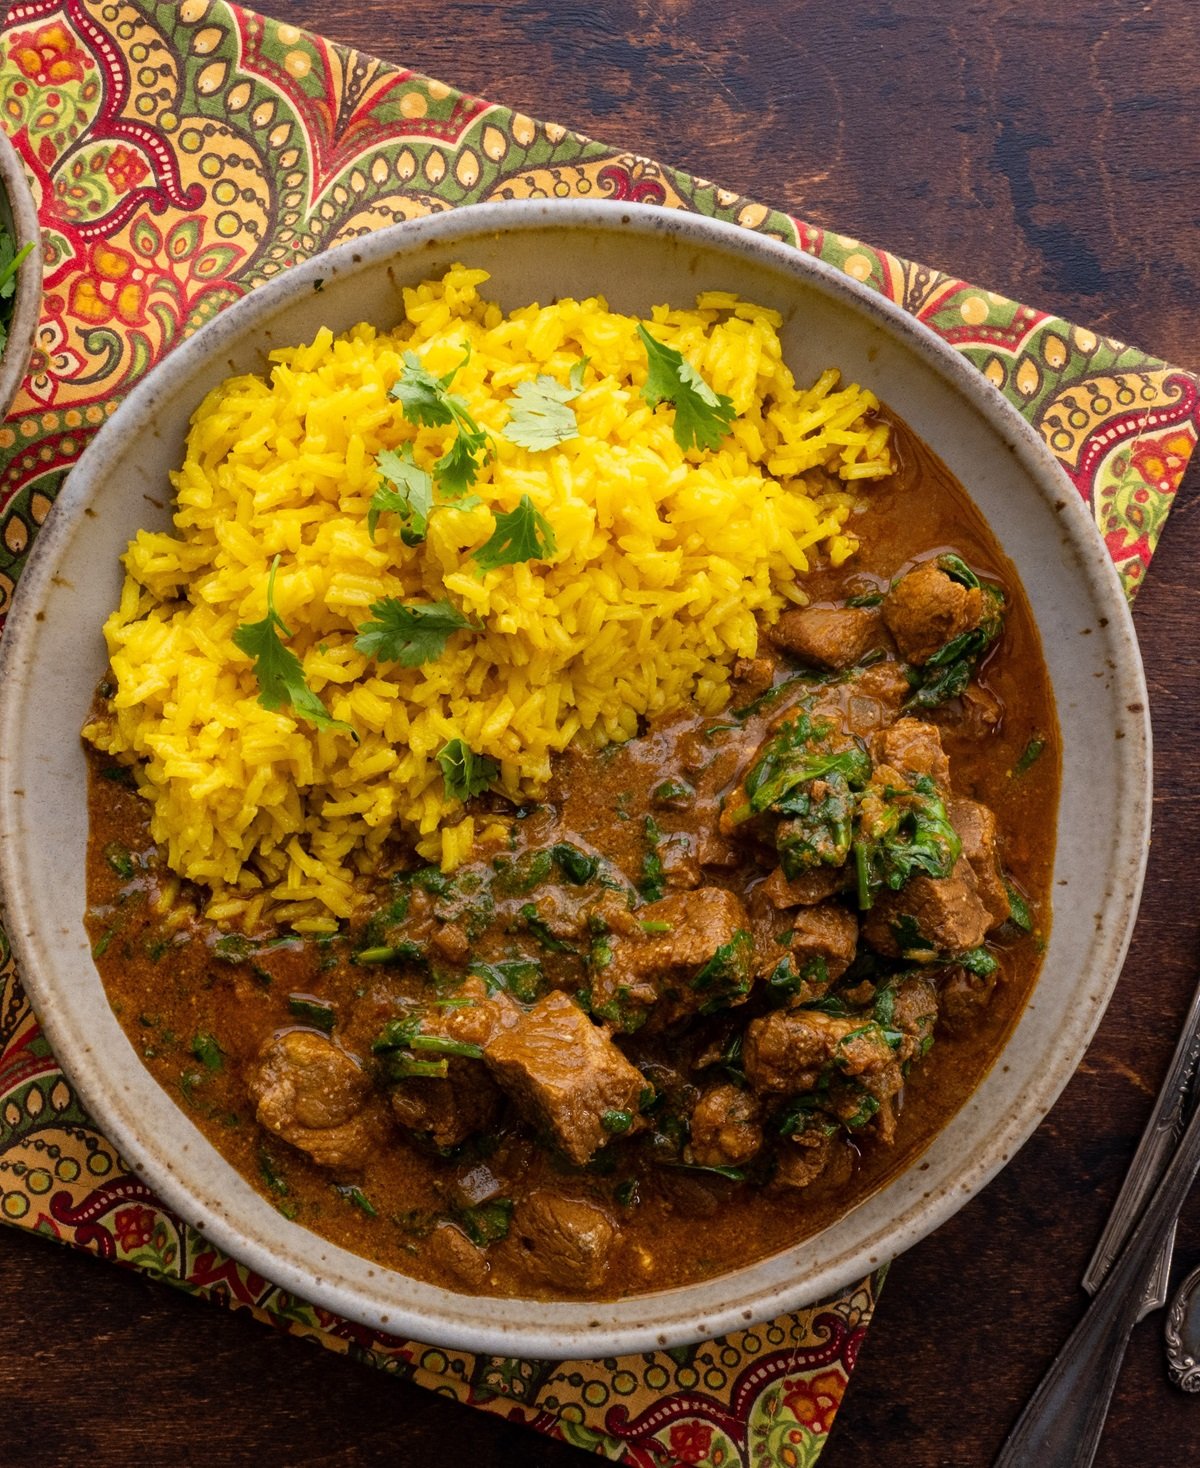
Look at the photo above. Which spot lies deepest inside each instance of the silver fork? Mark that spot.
(1061, 1425)
(1158, 1142)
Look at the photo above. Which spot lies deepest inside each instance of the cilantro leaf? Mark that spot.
(539, 417)
(464, 772)
(427, 402)
(411, 498)
(279, 671)
(422, 395)
(458, 468)
(702, 416)
(206, 1050)
(409, 635)
(523, 534)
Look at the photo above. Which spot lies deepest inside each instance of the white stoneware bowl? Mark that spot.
(18, 214)
(53, 656)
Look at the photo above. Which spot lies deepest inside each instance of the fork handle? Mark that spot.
(1061, 1425)
(1153, 1153)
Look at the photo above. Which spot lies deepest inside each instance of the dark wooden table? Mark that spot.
(1056, 160)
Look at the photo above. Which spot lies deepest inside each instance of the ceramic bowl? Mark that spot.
(18, 215)
(53, 656)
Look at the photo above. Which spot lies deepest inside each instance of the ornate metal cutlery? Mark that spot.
(1061, 1426)
(1159, 1140)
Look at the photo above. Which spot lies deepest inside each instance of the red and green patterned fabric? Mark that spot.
(184, 152)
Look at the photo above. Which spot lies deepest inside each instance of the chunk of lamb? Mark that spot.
(806, 890)
(875, 696)
(564, 1074)
(454, 1252)
(787, 1052)
(914, 1014)
(828, 933)
(870, 1100)
(561, 913)
(611, 910)
(928, 916)
(976, 826)
(714, 850)
(451, 941)
(821, 940)
(665, 972)
(816, 1151)
(914, 748)
(564, 1240)
(447, 1109)
(752, 677)
(725, 1130)
(963, 995)
(310, 1092)
(982, 711)
(827, 637)
(476, 1017)
(925, 609)
(680, 863)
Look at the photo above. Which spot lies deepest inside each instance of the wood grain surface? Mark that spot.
(1054, 159)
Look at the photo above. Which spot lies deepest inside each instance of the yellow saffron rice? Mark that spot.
(663, 558)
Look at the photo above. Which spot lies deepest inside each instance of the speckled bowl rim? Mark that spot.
(204, 1192)
(27, 303)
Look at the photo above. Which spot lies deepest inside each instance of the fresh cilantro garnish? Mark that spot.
(271, 1174)
(279, 671)
(458, 468)
(1030, 755)
(408, 634)
(428, 402)
(405, 490)
(1019, 913)
(464, 772)
(357, 1197)
(542, 931)
(425, 398)
(540, 417)
(520, 977)
(524, 534)
(654, 879)
(486, 1223)
(979, 961)
(206, 1050)
(315, 1012)
(702, 417)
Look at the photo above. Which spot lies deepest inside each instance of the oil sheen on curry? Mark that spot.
(729, 976)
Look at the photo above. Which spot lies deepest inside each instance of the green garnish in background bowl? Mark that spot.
(10, 262)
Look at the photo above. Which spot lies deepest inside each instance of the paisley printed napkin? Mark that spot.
(183, 152)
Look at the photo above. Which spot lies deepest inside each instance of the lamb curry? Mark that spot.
(721, 982)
